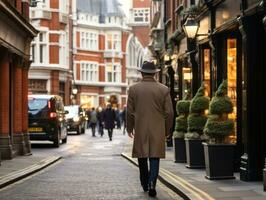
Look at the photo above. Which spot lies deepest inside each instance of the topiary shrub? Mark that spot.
(197, 117)
(218, 126)
(182, 109)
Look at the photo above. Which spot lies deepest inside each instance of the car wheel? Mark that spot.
(57, 140)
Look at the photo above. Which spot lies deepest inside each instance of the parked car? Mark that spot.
(47, 118)
(76, 119)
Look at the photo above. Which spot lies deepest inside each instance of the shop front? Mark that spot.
(234, 49)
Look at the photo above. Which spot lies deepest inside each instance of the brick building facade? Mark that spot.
(50, 68)
(99, 53)
(15, 36)
(137, 51)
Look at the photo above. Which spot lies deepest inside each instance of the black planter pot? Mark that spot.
(180, 150)
(219, 159)
(195, 154)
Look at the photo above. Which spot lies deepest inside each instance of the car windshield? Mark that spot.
(72, 111)
(36, 105)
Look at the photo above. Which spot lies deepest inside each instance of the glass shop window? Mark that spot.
(232, 80)
(207, 71)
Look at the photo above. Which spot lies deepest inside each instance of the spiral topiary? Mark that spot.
(218, 126)
(197, 117)
(182, 109)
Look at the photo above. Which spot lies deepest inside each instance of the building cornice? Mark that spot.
(101, 27)
(11, 12)
(102, 84)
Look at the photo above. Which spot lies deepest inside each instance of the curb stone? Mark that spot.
(21, 174)
(180, 186)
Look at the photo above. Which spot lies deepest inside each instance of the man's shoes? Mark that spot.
(145, 188)
(152, 191)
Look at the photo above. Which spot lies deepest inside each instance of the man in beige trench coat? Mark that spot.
(149, 119)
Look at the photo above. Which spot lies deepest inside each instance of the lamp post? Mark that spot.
(74, 94)
(191, 27)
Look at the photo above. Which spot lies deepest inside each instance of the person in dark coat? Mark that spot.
(109, 118)
(100, 121)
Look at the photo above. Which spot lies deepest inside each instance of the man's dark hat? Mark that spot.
(148, 67)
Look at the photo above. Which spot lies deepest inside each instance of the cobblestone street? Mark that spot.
(91, 168)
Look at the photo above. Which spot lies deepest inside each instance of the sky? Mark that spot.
(125, 6)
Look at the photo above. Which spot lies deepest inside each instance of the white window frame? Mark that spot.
(63, 49)
(89, 72)
(63, 6)
(89, 40)
(113, 72)
(116, 41)
(141, 13)
(41, 45)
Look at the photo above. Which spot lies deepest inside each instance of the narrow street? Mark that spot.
(91, 168)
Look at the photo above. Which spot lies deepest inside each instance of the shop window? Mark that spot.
(186, 80)
(89, 100)
(232, 79)
(207, 71)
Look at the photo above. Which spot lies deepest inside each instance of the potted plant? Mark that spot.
(219, 152)
(196, 122)
(182, 109)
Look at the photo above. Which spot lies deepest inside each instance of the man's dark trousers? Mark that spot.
(146, 176)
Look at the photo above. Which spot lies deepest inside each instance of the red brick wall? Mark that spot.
(101, 42)
(141, 4)
(78, 71)
(54, 4)
(54, 82)
(78, 39)
(54, 54)
(54, 24)
(4, 95)
(25, 100)
(17, 93)
(19, 5)
(142, 34)
(53, 37)
(101, 73)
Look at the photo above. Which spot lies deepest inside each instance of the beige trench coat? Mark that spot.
(149, 117)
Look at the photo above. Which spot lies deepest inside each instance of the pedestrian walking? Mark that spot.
(123, 118)
(100, 121)
(117, 118)
(149, 119)
(109, 120)
(93, 121)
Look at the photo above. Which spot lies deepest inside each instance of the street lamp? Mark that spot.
(191, 27)
(74, 90)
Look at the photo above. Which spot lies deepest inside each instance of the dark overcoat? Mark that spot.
(109, 117)
(150, 117)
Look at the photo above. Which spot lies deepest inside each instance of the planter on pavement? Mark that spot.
(195, 153)
(180, 150)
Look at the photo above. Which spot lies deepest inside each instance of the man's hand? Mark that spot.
(131, 135)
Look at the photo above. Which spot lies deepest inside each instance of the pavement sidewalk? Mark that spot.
(23, 166)
(192, 184)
